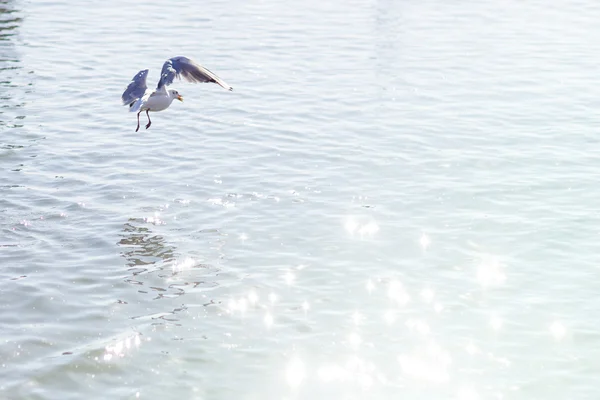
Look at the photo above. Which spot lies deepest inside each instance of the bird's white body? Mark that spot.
(140, 98)
(154, 100)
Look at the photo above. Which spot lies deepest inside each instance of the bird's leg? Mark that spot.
(149, 122)
(138, 127)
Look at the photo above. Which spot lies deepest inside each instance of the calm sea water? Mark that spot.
(398, 200)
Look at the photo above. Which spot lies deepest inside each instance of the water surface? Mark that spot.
(397, 199)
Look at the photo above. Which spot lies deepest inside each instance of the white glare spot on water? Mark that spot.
(370, 286)
(121, 347)
(467, 393)
(418, 326)
(351, 225)
(232, 305)
(427, 295)
(558, 330)
(429, 364)
(472, 349)
(268, 320)
(243, 305)
(363, 229)
(496, 323)
(370, 228)
(137, 395)
(243, 237)
(354, 339)
(424, 241)
(289, 278)
(489, 272)
(272, 298)
(331, 372)
(397, 293)
(118, 349)
(305, 306)
(438, 307)
(252, 297)
(154, 220)
(390, 317)
(295, 372)
(220, 202)
(357, 317)
(184, 265)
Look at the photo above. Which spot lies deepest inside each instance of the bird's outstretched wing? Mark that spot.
(136, 89)
(178, 67)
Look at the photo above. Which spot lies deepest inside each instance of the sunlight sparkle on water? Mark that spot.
(496, 323)
(489, 272)
(121, 347)
(397, 293)
(467, 393)
(354, 339)
(357, 317)
(369, 229)
(232, 305)
(418, 326)
(184, 265)
(243, 305)
(155, 219)
(253, 297)
(558, 330)
(424, 241)
(430, 364)
(370, 286)
(427, 295)
(289, 278)
(268, 320)
(390, 317)
(351, 225)
(332, 372)
(472, 349)
(305, 306)
(295, 372)
(272, 298)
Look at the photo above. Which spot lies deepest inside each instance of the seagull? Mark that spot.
(140, 98)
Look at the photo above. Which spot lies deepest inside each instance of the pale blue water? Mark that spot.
(398, 200)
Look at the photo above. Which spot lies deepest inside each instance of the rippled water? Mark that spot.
(398, 199)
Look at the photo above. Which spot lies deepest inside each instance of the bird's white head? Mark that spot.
(175, 94)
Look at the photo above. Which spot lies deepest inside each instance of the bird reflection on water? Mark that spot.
(143, 248)
(148, 253)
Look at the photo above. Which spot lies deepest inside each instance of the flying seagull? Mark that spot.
(140, 98)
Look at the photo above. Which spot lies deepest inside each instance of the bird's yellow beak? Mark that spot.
(180, 98)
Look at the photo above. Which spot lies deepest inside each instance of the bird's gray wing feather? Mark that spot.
(136, 88)
(183, 67)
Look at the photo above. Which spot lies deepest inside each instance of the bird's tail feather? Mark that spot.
(135, 106)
